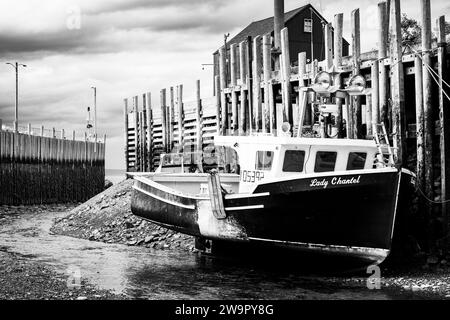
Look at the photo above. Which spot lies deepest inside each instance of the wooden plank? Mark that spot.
(427, 101)
(444, 118)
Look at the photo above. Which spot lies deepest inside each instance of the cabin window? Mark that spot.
(356, 161)
(293, 161)
(325, 161)
(264, 160)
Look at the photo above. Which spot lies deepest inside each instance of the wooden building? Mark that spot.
(305, 26)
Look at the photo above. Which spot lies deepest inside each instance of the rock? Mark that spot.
(148, 239)
(108, 184)
(81, 298)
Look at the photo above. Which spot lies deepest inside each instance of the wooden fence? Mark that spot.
(35, 169)
(407, 89)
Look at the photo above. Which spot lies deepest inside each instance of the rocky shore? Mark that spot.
(22, 278)
(107, 218)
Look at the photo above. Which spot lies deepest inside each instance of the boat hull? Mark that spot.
(349, 214)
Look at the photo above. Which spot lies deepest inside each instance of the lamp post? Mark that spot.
(16, 66)
(95, 111)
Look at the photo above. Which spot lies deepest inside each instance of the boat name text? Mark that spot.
(334, 181)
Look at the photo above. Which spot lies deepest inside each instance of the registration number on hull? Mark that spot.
(251, 176)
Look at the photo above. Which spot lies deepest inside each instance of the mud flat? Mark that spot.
(107, 218)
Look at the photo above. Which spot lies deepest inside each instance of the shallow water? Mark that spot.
(154, 274)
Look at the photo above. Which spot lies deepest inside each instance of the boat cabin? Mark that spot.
(267, 157)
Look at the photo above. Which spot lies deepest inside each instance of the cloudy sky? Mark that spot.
(128, 47)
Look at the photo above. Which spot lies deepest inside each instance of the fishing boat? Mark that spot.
(337, 197)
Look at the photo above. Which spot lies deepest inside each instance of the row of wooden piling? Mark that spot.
(37, 169)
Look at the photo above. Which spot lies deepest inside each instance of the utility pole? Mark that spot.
(95, 111)
(16, 66)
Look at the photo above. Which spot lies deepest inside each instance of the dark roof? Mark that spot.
(262, 27)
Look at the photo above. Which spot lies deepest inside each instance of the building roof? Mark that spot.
(262, 27)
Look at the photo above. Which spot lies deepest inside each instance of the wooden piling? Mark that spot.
(420, 174)
(328, 46)
(125, 116)
(356, 60)
(268, 107)
(257, 83)
(337, 61)
(163, 120)
(149, 118)
(136, 134)
(141, 141)
(234, 98)
(285, 68)
(278, 26)
(444, 118)
(383, 24)
(375, 94)
(198, 119)
(181, 117)
(171, 118)
(218, 101)
(243, 76)
(427, 101)
(223, 85)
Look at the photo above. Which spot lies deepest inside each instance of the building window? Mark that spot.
(325, 161)
(356, 161)
(308, 26)
(293, 161)
(264, 160)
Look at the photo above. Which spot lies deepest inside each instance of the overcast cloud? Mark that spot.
(128, 47)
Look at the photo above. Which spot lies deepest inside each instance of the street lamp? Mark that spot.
(16, 66)
(95, 111)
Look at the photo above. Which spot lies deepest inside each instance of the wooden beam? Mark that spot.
(338, 30)
(356, 56)
(397, 85)
(420, 174)
(383, 24)
(375, 105)
(268, 108)
(286, 76)
(181, 117)
(163, 119)
(149, 113)
(234, 97)
(427, 101)
(257, 83)
(223, 85)
(171, 117)
(444, 118)
(218, 100)
(243, 76)
(328, 46)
